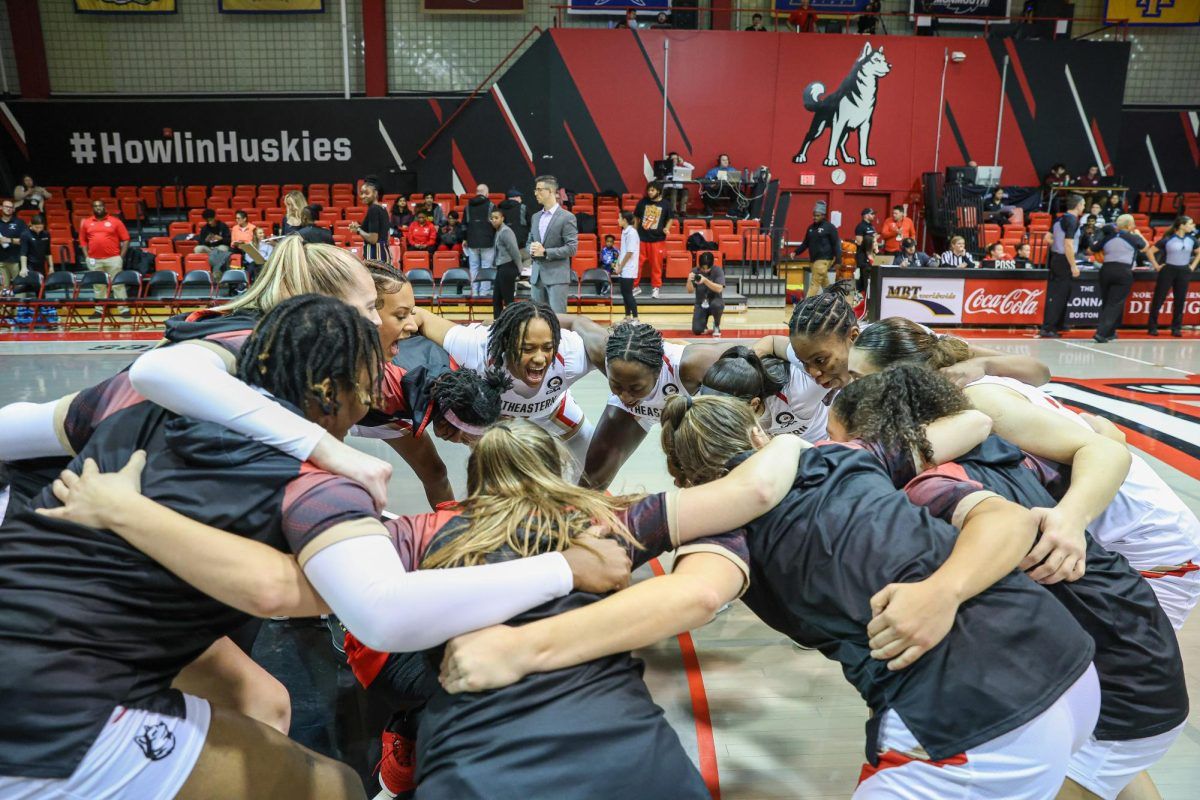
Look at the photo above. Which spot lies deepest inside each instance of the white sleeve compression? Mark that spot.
(27, 431)
(192, 381)
(391, 610)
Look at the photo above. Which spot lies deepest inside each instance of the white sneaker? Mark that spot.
(716, 333)
(637, 290)
(654, 293)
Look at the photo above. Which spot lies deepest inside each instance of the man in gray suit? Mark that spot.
(553, 240)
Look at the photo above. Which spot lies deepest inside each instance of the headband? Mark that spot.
(465, 427)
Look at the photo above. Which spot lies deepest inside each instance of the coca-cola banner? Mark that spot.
(930, 300)
(1003, 302)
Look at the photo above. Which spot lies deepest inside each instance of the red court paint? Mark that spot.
(704, 737)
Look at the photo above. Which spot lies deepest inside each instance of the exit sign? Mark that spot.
(870, 180)
(808, 179)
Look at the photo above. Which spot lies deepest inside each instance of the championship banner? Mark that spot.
(271, 6)
(1153, 12)
(125, 6)
(960, 8)
(473, 6)
(614, 8)
(937, 301)
(823, 6)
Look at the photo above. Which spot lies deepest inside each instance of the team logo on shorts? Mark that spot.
(554, 384)
(784, 418)
(670, 389)
(157, 741)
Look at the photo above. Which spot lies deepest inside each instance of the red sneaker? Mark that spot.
(398, 767)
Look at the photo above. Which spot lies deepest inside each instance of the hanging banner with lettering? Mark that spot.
(960, 8)
(271, 6)
(1153, 12)
(125, 6)
(473, 6)
(823, 6)
(645, 9)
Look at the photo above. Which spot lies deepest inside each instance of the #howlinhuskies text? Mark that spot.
(849, 108)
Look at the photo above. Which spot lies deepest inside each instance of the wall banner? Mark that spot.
(823, 6)
(645, 8)
(989, 301)
(1153, 12)
(125, 6)
(937, 301)
(473, 6)
(271, 6)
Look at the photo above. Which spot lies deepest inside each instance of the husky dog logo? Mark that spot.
(849, 108)
(670, 389)
(157, 741)
(554, 384)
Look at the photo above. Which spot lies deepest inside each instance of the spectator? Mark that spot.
(1064, 244)
(400, 217)
(654, 223)
(824, 246)
(553, 241)
(309, 231)
(864, 239)
(630, 20)
(481, 236)
(910, 258)
(1090, 178)
(432, 209)
(254, 253)
(708, 282)
(516, 214)
(803, 19)
(1057, 176)
(868, 23)
(1095, 216)
(450, 234)
(994, 209)
(995, 258)
(628, 262)
(215, 240)
(35, 248)
(422, 235)
(242, 231)
(678, 195)
(609, 254)
(722, 166)
(724, 188)
(29, 195)
(662, 21)
(104, 240)
(293, 204)
(12, 229)
(756, 23)
(896, 228)
(957, 255)
(375, 223)
(1025, 256)
(1113, 209)
(508, 263)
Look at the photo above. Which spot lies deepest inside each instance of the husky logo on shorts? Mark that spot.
(670, 389)
(157, 741)
(554, 384)
(784, 418)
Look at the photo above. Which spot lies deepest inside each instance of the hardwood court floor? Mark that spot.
(784, 724)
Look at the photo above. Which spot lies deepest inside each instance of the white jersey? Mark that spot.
(799, 408)
(548, 405)
(649, 408)
(1146, 522)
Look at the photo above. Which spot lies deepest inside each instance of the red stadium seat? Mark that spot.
(172, 262)
(582, 262)
(195, 261)
(415, 259)
(678, 265)
(443, 261)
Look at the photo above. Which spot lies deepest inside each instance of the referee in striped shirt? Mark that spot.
(957, 255)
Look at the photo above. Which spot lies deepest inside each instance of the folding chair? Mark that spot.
(457, 280)
(594, 288)
(60, 287)
(233, 282)
(22, 306)
(132, 281)
(196, 289)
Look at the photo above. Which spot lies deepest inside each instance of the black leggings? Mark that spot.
(627, 296)
(506, 286)
(1174, 280)
(716, 307)
(1115, 282)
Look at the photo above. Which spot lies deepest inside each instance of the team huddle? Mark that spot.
(1000, 578)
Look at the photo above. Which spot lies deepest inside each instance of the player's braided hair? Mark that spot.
(388, 279)
(642, 344)
(307, 348)
(825, 314)
(474, 398)
(894, 406)
(740, 373)
(507, 334)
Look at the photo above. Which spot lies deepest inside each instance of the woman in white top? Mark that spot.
(627, 262)
(784, 397)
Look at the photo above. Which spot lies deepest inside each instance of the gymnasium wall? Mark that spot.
(1160, 150)
(587, 106)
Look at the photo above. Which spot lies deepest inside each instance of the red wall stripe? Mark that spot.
(374, 23)
(1106, 162)
(704, 737)
(1019, 71)
(582, 160)
(26, 26)
(1190, 135)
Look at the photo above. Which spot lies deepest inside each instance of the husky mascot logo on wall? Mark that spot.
(850, 108)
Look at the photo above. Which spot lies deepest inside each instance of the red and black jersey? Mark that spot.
(90, 623)
(600, 732)
(843, 533)
(1142, 687)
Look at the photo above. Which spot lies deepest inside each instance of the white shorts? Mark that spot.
(1177, 594)
(1105, 768)
(138, 754)
(1028, 763)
